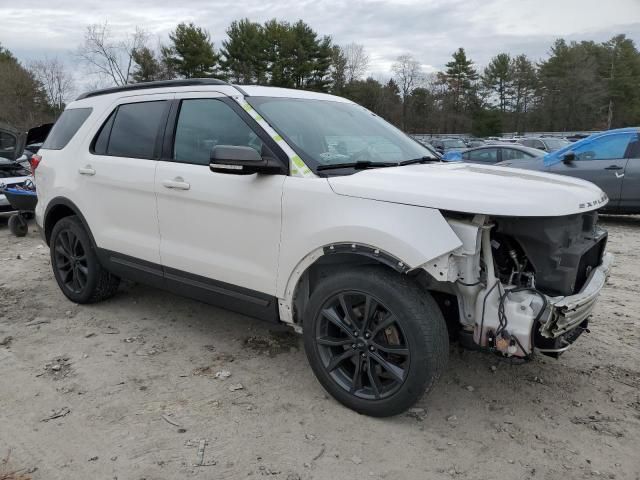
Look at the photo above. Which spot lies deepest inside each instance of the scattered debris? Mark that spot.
(58, 368)
(168, 420)
(357, 460)
(452, 418)
(417, 413)
(93, 459)
(223, 374)
(6, 341)
(109, 330)
(200, 457)
(61, 412)
(470, 388)
(137, 339)
(319, 454)
(37, 322)
(209, 348)
(275, 343)
(235, 386)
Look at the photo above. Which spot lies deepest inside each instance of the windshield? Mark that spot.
(454, 143)
(556, 143)
(331, 133)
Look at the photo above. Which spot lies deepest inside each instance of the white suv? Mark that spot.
(307, 209)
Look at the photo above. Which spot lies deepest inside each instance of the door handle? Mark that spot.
(613, 167)
(87, 170)
(177, 183)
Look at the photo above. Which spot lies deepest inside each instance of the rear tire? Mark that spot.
(375, 340)
(75, 264)
(18, 225)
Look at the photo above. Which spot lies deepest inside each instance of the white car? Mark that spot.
(307, 209)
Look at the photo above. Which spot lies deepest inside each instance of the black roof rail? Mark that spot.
(157, 84)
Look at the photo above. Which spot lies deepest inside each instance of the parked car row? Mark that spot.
(610, 159)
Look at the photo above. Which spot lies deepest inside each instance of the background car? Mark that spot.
(609, 159)
(491, 154)
(547, 144)
(14, 166)
(444, 145)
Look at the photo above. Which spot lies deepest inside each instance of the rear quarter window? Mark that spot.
(66, 127)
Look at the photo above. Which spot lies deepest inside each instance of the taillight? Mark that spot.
(34, 161)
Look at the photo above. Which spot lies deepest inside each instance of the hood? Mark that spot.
(473, 188)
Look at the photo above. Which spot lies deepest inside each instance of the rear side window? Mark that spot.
(66, 127)
(131, 130)
(485, 155)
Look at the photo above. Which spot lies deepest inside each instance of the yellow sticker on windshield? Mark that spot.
(297, 167)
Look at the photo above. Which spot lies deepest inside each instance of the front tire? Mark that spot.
(75, 264)
(18, 225)
(374, 339)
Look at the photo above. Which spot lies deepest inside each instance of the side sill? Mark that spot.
(230, 297)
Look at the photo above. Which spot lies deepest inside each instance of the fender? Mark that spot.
(49, 215)
(315, 218)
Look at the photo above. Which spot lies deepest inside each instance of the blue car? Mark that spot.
(610, 159)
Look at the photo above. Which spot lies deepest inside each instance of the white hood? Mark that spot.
(473, 188)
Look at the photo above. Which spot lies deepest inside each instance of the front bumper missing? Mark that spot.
(567, 313)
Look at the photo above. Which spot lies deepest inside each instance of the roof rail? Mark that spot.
(157, 84)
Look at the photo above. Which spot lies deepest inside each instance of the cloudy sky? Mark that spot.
(429, 29)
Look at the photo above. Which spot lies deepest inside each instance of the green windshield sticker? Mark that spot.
(277, 138)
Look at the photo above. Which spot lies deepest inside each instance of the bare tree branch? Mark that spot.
(108, 57)
(55, 79)
(356, 61)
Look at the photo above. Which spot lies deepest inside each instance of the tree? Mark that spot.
(356, 61)
(56, 81)
(23, 101)
(498, 77)
(244, 53)
(620, 64)
(148, 67)
(108, 57)
(190, 53)
(296, 57)
(338, 70)
(407, 72)
(461, 77)
(524, 78)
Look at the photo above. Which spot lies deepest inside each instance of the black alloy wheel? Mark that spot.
(362, 345)
(71, 262)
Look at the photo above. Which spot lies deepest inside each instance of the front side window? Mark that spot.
(65, 128)
(328, 133)
(609, 147)
(485, 155)
(204, 123)
(454, 143)
(134, 130)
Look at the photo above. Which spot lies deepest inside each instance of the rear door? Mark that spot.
(116, 183)
(220, 233)
(630, 196)
(601, 161)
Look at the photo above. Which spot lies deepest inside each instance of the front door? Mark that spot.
(601, 161)
(220, 233)
(630, 196)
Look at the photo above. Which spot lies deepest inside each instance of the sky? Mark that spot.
(430, 30)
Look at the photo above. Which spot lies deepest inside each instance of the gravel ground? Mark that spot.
(127, 389)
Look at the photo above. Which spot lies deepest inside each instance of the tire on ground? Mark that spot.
(420, 318)
(100, 283)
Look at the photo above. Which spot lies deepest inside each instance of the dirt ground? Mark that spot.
(127, 389)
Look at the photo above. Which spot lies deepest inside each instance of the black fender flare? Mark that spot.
(53, 205)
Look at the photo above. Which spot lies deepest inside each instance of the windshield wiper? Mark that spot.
(417, 160)
(359, 165)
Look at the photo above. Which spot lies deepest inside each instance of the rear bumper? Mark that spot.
(567, 313)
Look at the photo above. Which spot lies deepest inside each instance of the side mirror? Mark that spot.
(238, 160)
(568, 158)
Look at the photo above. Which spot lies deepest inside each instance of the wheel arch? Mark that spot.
(59, 208)
(324, 260)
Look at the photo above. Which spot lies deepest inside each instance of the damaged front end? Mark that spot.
(524, 284)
